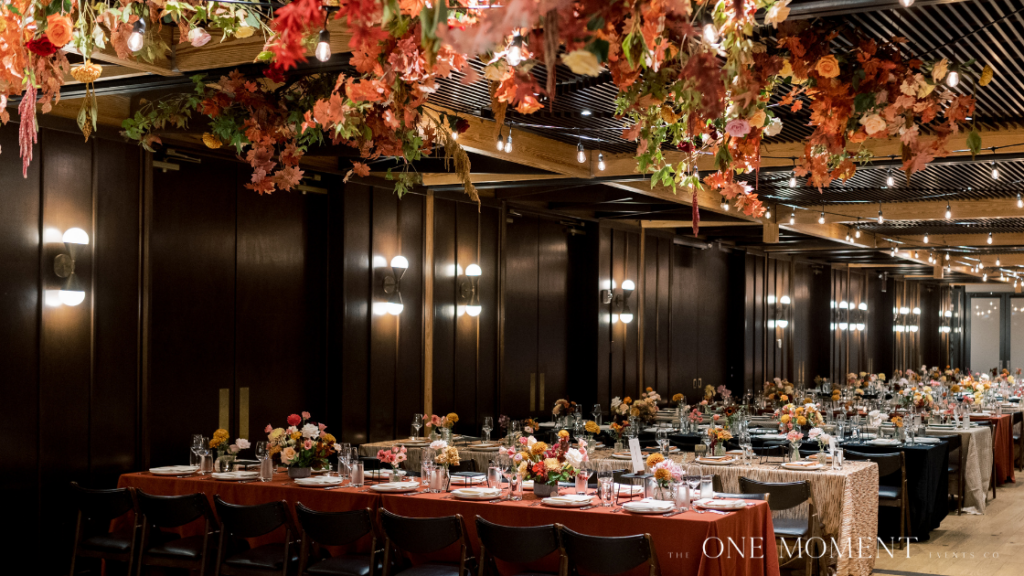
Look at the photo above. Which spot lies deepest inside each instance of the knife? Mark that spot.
(671, 514)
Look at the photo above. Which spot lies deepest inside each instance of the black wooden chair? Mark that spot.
(1018, 440)
(892, 484)
(239, 521)
(605, 556)
(956, 465)
(321, 529)
(515, 545)
(784, 496)
(407, 535)
(742, 496)
(93, 539)
(190, 553)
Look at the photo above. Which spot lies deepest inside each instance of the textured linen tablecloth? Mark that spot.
(977, 464)
(679, 541)
(846, 500)
(1003, 446)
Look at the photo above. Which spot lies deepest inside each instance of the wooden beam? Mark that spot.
(238, 51)
(770, 233)
(446, 179)
(938, 271)
(945, 240)
(109, 73)
(689, 223)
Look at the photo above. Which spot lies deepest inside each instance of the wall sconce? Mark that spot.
(781, 319)
(71, 292)
(849, 316)
(392, 285)
(944, 321)
(469, 298)
(905, 319)
(619, 301)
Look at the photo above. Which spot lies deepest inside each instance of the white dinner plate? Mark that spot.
(884, 442)
(721, 504)
(568, 501)
(476, 493)
(235, 476)
(319, 481)
(470, 480)
(717, 460)
(376, 474)
(927, 440)
(415, 442)
(803, 465)
(648, 506)
(771, 436)
(396, 487)
(174, 470)
(626, 455)
(485, 446)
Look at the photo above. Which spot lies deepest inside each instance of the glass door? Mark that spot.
(995, 332)
(1016, 332)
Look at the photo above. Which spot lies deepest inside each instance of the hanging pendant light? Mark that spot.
(138, 36)
(323, 46)
(949, 212)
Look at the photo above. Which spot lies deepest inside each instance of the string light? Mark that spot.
(949, 212)
(792, 217)
(821, 219)
(984, 277)
(138, 36)
(501, 143)
(514, 54)
(768, 213)
(907, 3)
(889, 180)
(710, 33)
(323, 46)
(508, 141)
(981, 265)
(856, 232)
(931, 258)
(989, 238)
(953, 78)
(995, 171)
(947, 256)
(792, 180)
(725, 206)
(600, 161)
(847, 235)
(880, 219)
(1020, 201)
(915, 254)
(998, 263)
(925, 237)
(581, 156)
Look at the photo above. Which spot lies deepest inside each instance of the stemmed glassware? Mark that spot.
(661, 435)
(205, 462)
(508, 471)
(596, 411)
(487, 427)
(417, 423)
(197, 443)
(263, 455)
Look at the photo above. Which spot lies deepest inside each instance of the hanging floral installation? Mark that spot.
(695, 79)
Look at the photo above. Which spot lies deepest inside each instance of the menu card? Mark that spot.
(634, 454)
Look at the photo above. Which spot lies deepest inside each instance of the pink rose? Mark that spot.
(305, 415)
(715, 417)
(199, 37)
(268, 429)
(404, 450)
(528, 429)
(294, 420)
(322, 426)
(308, 444)
(738, 128)
(523, 440)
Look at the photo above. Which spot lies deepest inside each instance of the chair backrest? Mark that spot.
(421, 535)
(782, 495)
(334, 528)
(102, 506)
(174, 511)
(742, 496)
(252, 521)
(888, 463)
(605, 555)
(370, 462)
(516, 543)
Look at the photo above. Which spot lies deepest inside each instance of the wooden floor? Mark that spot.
(988, 545)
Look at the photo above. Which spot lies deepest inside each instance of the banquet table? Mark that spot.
(976, 443)
(838, 495)
(1003, 446)
(678, 540)
(481, 458)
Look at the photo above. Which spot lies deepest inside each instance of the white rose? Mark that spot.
(438, 445)
(873, 123)
(310, 431)
(573, 457)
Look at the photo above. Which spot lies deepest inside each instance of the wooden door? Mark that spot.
(520, 381)
(552, 314)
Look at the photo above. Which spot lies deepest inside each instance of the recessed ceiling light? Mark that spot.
(584, 112)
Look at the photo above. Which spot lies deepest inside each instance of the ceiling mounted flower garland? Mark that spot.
(695, 78)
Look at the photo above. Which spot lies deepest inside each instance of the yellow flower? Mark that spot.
(784, 398)
(211, 141)
(85, 73)
(452, 418)
(677, 397)
(582, 62)
(539, 448)
(523, 468)
(244, 32)
(220, 433)
(296, 435)
(563, 433)
(592, 427)
(552, 464)
(986, 75)
(634, 412)
(525, 455)
(328, 438)
(662, 475)
(801, 421)
(828, 67)
(785, 419)
(807, 400)
(654, 459)
(276, 433)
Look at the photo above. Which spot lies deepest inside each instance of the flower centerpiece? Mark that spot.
(679, 401)
(792, 416)
(621, 407)
(717, 437)
(445, 455)
(592, 429)
(226, 452)
(393, 457)
(823, 440)
(777, 391)
(795, 438)
(303, 446)
(901, 432)
(564, 407)
(547, 465)
(530, 426)
(441, 426)
(666, 474)
(646, 407)
(618, 429)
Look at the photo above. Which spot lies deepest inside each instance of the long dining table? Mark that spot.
(688, 544)
(1002, 446)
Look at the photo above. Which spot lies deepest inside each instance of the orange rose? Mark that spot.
(59, 29)
(828, 67)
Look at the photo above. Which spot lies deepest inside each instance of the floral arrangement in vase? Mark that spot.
(592, 428)
(618, 429)
(530, 426)
(564, 407)
(791, 416)
(778, 390)
(724, 393)
(696, 417)
(621, 407)
(226, 452)
(302, 446)
(821, 437)
(440, 426)
(666, 473)
(445, 455)
(709, 393)
(794, 437)
(678, 399)
(393, 457)
(549, 465)
(718, 436)
(646, 407)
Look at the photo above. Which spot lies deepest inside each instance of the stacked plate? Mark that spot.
(803, 465)
(468, 480)
(476, 493)
(485, 446)
(395, 487)
(413, 442)
(380, 474)
(568, 501)
(720, 504)
(236, 476)
(319, 481)
(649, 506)
(717, 460)
(174, 470)
(884, 442)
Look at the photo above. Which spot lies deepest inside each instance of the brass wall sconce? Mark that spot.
(619, 301)
(71, 292)
(469, 292)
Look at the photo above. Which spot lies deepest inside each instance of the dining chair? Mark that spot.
(166, 512)
(606, 555)
(238, 521)
(407, 535)
(1017, 421)
(991, 425)
(957, 464)
(93, 538)
(516, 545)
(320, 529)
(784, 496)
(741, 496)
(889, 465)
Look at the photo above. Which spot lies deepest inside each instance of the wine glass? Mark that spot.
(661, 435)
(197, 443)
(487, 427)
(596, 411)
(417, 423)
(507, 470)
(205, 463)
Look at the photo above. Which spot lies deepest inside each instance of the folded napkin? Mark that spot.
(927, 440)
(468, 479)
(716, 457)
(569, 499)
(477, 491)
(318, 480)
(649, 505)
(722, 503)
(802, 463)
(397, 485)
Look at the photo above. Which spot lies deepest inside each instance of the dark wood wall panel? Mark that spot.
(444, 305)
(354, 301)
(552, 312)
(20, 301)
(409, 368)
(604, 325)
(617, 361)
(685, 340)
(465, 359)
(487, 329)
(117, 270)
(384, 328)
(192, 301)
(521, 318)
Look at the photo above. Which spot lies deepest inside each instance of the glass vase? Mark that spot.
(224, 463)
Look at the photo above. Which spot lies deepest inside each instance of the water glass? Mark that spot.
(516, 489)
(837, 459)
(605, 487)
(487, 427)
(356, 472)
(581, 480)
(426, 469)
(205, 462)
(494, 477)
(707, 489)
(681, 496)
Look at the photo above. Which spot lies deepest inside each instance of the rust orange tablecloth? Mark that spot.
(1003, 442)
(679, 541)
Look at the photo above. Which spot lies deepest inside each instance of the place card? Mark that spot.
(634, 454)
